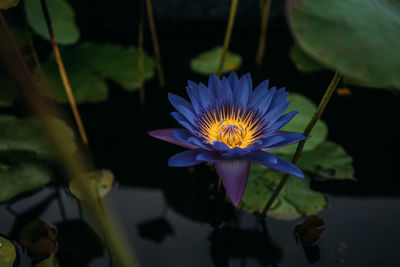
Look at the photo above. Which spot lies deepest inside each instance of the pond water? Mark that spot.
(167, 212)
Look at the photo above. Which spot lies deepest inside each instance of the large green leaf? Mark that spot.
(302, 61)
(295, 200)
(208, 61)
(358, 38)
(87, 66)
(328, 160)
(6, 4)
(8, 253)
(62, 19)
(20, 174)
(306, 109)
(8, 92)
(26, 135)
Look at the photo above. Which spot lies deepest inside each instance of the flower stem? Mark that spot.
(63, 74)
(155, 43)
(263, 34)
(228, 34)
(140, 52)
(321, 107)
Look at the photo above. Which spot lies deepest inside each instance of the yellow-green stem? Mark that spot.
(232, 14)
(321, 107)
(263, 33)
(140, 53)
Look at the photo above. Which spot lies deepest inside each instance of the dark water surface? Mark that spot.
(167, 211)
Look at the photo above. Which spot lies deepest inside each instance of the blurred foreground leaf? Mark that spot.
(363, 47)
(87, 66)
(20, 174)
(49, 262)
(306, 109)
(102, 181)
(295, 200)
(8, 253)
(62, 19)
(302, 61)
(26, 135)
(328, 160)
(6, 4)
(38, 237)
(208, 61)
(8, 92)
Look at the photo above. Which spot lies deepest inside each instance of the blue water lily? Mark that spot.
(231, 125)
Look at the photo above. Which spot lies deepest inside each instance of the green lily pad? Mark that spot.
(6, 4)
(363, 47)
(62, 19)
(49, 262)
(306, 109)
(26, 135)
(8, 253)
(8, 92)
(208, 61)
(328, 160)
(302, 61)
(295, 200)
(88, 65)
(100, 183)
(20, 174)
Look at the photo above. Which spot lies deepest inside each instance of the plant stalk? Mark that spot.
(155, 43)
(140, 53)
(263, 33)
(232, 14)
(63, 74)
(321, 107)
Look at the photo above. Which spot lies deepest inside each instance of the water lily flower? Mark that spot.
(231, 125)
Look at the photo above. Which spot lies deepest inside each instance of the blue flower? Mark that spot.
(231, 125)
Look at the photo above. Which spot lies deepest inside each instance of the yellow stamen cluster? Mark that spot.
(234, 127)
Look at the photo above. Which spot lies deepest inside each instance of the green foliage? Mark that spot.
(62, 19)
(20, 174)
(328, 160)
(49, 262)
(26, 135)
(100, 183)
(6, 4)
(87, 66)
(303, 62)
(8, 253)
(208, 61)
(295, 200)
(8, 92)
(357, 38)
(306, 109)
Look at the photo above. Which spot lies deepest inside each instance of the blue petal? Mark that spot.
(192, 91)
(234, 153)
(224, 94)
(183, 121)
(166, 135)
(234, 175)
(242, 92)
(219, 146)
(210, 156)
(263, 104)
(214, 84)
(282, 121)
(207, 99)
(273, 114)
(280, 164)
(260, 92)
(187, 137)
(185, 158)
(289, 138)
(178, 102)
(233, 80)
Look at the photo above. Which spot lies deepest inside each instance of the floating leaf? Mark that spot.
(49, 262)
(303, 61)
(38, 237)
(208, 61)
(62, 19)
(295, 200)
(310, 230)
(21, 174)
(100, 183)
(364, 47)
(8, 92)
(306, 109)
(8, 253)
(87, 66)
(6, 4)
(328, 160)
(26, 135)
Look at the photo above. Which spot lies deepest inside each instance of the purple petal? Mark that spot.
(289, 138)
(242, 92)
(219, 146)
(211, 156)
(183, 121)
(262, 157)
(185, 158)
(234, 175)
(187, 137)
(166, 135)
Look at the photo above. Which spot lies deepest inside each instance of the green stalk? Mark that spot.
(232, 14)
(263, 34)
(140, 53)
(321, 107)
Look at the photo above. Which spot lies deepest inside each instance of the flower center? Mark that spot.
(231, 134)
